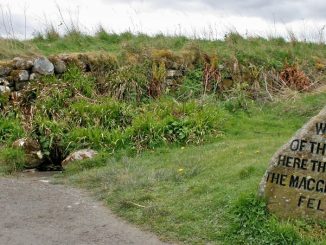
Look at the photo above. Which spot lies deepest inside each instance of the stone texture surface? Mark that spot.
(59, 66)
(19, 78)
(33, 77)
(19, 75)
(4, 70)
(22, 64)
(79, 155)
(43, 66)
(294, 184)
(4, 89)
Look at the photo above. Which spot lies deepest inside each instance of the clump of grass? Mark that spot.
(105, 114)
(129, 83)
(168, 121)
(4, 100)
(190, 86)
(156, 85)
(252, 224)
(51, 34)
(110, 38)
(10, 130)
(11, 160)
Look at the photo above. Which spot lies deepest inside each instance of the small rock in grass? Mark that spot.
(59, 66)
(79, 155)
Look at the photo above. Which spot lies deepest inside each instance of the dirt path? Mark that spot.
(35, 212)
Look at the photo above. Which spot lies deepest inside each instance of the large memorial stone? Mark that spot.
(294, 184)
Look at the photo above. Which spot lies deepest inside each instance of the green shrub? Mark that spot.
(191, 85)
(79, 81)
(129, 83)
(55, 95)
(145, 132)
(51, 136)
(168, 121)
(53, 100)
(237, 98)
(107, 114)
(93, 137)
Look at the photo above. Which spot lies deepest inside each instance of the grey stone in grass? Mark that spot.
(43, 66)
(59, 66)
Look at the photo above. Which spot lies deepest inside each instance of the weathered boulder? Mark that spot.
(294, 184)
(43, 66)
(32, 149)
(79, 155)
(59, 65)
(20, 75)
(22, 64)
(20, 78)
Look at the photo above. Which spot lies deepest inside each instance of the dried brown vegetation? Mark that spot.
(294, 78)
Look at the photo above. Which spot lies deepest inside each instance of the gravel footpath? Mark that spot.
(35, 212)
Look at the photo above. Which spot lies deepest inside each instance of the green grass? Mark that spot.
(207, 193)
(11, 160)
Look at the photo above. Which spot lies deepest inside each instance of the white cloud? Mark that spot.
(206, 18)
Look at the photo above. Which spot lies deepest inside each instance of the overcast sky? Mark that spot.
(200, 18)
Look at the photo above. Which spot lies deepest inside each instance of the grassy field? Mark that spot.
(183, 158)
(207, 193)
